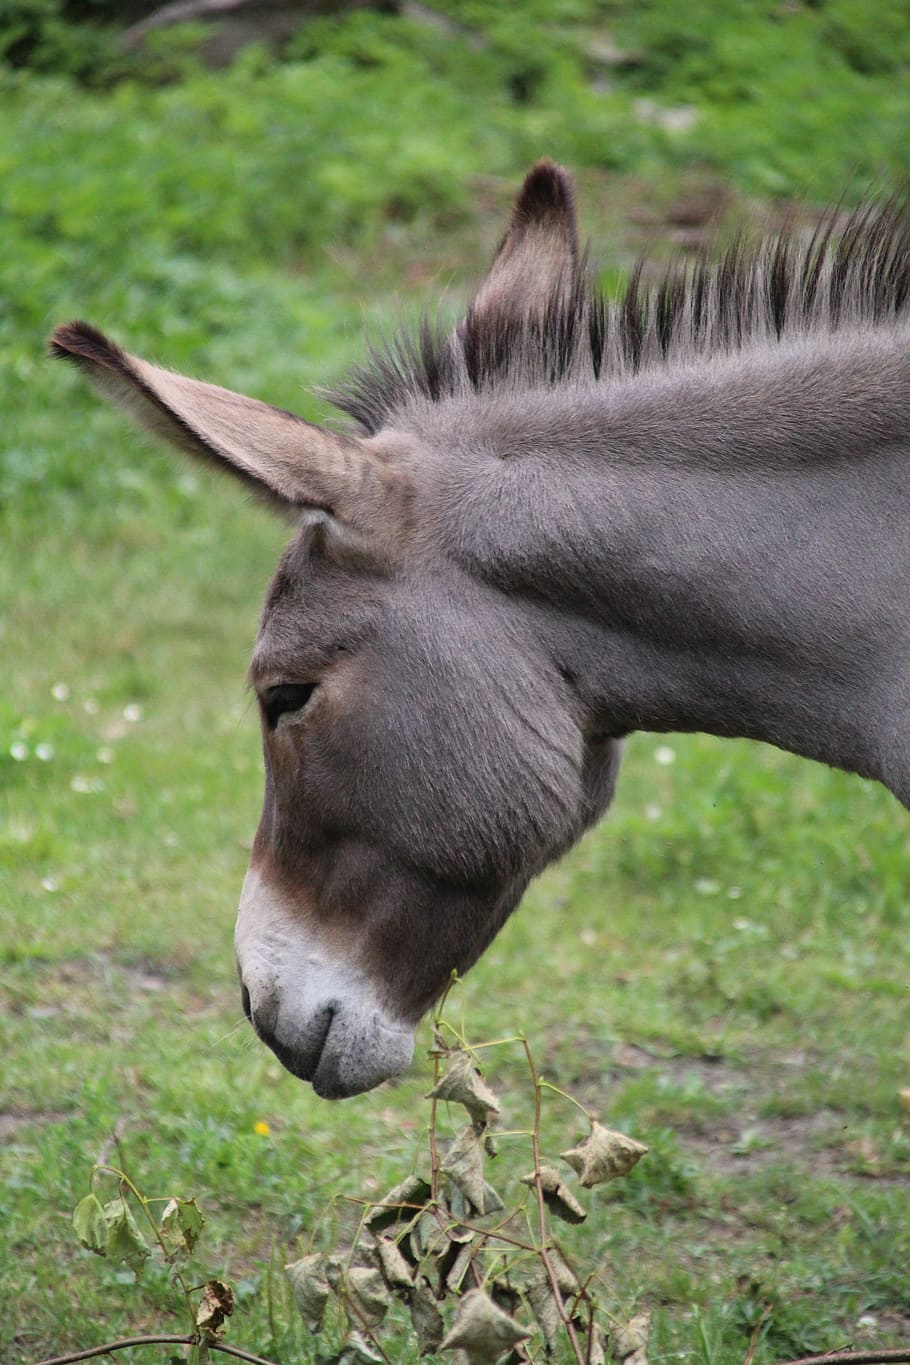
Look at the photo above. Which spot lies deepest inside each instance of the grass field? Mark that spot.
(721, 969)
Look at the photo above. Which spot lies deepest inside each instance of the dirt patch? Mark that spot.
(719, 1109)
(15, 1121)
(807, 1142)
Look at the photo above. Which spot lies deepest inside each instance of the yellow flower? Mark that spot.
(262, 1128)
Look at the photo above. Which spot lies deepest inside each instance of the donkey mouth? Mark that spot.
(302, 1059)
(322, 1017)
(342, 1052)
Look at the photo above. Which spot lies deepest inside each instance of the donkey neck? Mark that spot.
(720, 548)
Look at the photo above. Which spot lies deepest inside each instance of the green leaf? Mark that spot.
(180, 1226)
(124, 1240)
(90, 1225)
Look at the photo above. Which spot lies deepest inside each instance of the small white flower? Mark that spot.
(50, 884)
(735, 892)
(588, 937)
(60, 691)
(132, 713)
(86, 785)
(742, 924)
(664, 755)
(90, 706)
(18, 750)
(707, 886)
(653, 812)
(171, 841)
(45, 752)
(105, 755)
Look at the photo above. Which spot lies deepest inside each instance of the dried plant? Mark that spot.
(477, 1279)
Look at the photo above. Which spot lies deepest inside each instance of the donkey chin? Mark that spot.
(322, 1018)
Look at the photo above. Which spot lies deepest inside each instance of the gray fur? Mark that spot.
(688, 510)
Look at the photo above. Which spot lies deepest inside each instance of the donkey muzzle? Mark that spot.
(321, 1018)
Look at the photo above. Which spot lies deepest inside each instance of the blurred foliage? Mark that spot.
(173, 199)
(749, 910)
(785, 95)
(75, 37)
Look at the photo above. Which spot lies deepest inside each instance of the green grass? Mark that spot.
(721, 968)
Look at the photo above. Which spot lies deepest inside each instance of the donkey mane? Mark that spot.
(786, 285)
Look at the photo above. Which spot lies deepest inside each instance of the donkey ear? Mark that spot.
(289, 461)
(537, 260)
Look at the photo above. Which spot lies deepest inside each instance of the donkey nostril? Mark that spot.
(245, 1000)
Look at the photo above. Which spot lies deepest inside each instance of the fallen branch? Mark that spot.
(889, 1357)
(159, 1339)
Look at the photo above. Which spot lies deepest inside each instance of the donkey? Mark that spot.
(568, 519)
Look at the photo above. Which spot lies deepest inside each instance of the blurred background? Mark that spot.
(243, 190)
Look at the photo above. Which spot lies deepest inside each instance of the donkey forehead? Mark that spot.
(441, 625)
(314, 608)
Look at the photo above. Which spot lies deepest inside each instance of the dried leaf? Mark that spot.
(463, 1084)
(394, 1207)
(311, 1289)
(558, 1198)
(215, 1306)
(903, 1097)
(603, 1155)
(463, 1164)
(356, 1351)
(426, 1320)
(425, 1235)
(460, 1207)
(180, 1226)
(334, 1272)
(630, 1343)
(458, 1269)
(124, 1240)
(545, 1309)
(491, 1200)
(566, 1278)
(504, 1294)
(482, 1330)
(366, 1296)
(90, 1225)
(392, 1265)
(597, 1351)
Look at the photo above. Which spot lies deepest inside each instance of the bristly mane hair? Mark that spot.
(783, 287)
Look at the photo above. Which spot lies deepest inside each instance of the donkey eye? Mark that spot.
(285, 697)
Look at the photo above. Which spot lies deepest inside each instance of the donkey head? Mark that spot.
(425, 756)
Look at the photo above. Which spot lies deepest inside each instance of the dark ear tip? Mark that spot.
(78, 340)
(547, 190)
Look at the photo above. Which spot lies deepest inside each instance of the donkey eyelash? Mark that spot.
(285, 697)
